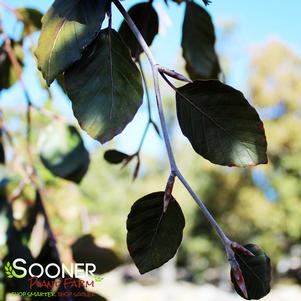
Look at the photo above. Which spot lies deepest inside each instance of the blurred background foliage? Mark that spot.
(259, 205)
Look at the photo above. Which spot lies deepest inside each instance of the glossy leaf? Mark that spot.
(153, 236)
(198, 39)
(115, 157)
(105, 87)
(146, 19)
(68, 27)
(256, 271)
(31, 18)
(195, 75)
(85, 250)
(62, 151)
(220, 124)
(8, 73)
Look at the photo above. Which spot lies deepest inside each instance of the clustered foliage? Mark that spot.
(99, 68)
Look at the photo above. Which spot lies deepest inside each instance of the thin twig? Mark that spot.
(146, 129)
(156, 69)
(30, 170)
(174, 74)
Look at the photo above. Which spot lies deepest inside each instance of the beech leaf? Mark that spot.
(154, 236)
(85, 250)
(220, 124)
(8, 72)
(146, 19)
(105, 87)
(31, 18)
(115, 157)
(67, 28)
(256, 272)
(198, 40)
(63, 153)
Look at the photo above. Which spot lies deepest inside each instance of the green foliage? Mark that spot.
(256, 271)
(115, 157)
(280, 84)
(68, 27)
(228, 137)
(8, 73)
(68, 160)
(198, 37)
(85, 249)
(153, 235)
(31, 19)
(105, 87)
(95, 68)
(146, 19)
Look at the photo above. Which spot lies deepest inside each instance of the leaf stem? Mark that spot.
(156, 69)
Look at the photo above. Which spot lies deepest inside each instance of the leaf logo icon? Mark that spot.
(98, 279)
(9, 270)
(10, 273)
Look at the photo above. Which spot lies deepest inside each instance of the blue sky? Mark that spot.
(256, 22)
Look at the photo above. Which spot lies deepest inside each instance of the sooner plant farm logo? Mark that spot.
(19, 269)
(58, 277)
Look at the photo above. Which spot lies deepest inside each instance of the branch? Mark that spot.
(30, 171)
(156, 69)
(174, 170)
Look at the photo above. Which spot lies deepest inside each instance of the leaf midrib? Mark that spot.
(210, 118)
